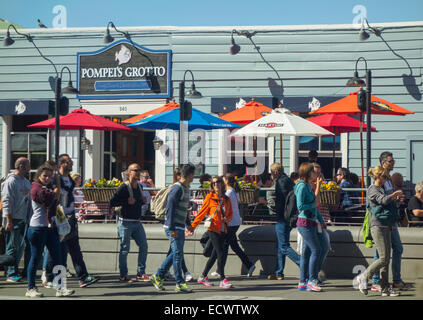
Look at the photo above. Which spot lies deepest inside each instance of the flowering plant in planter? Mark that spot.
(329, 186)
(102, 183)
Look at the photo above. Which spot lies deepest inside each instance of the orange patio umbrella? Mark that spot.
(250, 112)
(167, 107)
(348, 105)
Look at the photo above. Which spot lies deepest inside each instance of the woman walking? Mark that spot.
(309, 224)
(383, 218)
(42, 231)
(217, 206)
(232, 192)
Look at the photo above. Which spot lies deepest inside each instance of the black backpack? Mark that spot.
(291, 211)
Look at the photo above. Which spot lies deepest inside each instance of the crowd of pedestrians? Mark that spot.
(30, 218)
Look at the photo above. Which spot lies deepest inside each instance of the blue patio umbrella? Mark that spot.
(170, 120)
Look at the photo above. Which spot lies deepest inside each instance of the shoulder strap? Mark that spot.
(182, 188)
(131, 193)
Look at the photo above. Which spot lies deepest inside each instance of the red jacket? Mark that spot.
(45, 196)
(211, 202)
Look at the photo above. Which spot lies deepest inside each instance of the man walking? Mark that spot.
(16, 209)
(71, 242)
(130, 197)
(283, 185)
(387, 161)
(176, 221)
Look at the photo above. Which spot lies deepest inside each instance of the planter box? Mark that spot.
(98, 194)
(248, 196)
(330, 197)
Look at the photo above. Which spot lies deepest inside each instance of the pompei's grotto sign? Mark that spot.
(124, 70)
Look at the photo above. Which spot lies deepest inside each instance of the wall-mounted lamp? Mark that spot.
(8, 41)
(108, 38)
(157, 143)
(85, 143)
(363, 35)
(234, 49)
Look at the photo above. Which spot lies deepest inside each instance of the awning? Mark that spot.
(26, 107)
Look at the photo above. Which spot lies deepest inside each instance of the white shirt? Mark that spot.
(236, 218)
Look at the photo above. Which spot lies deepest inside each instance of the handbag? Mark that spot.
(207, 222)
(61, 221)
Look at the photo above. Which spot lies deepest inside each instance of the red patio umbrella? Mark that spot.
(80, 119)
(338, 123)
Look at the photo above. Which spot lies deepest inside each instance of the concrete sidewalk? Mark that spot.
(255, 288)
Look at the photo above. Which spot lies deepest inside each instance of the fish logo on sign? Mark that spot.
(270, 125)
(20, 108)
(123, 56)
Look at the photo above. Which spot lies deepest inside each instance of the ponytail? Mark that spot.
(230, 178)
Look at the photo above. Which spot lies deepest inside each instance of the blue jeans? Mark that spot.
(397, 250)
(324, 246)
(174, 258)
(39, 237)
(310, 256)
(126, 231)
(15, 244)
(283, 230)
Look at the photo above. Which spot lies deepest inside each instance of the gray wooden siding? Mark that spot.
(314, 62)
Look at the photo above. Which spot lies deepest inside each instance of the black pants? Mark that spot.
(70, 245)
(6, 260)
(232, 241)
(218, 240)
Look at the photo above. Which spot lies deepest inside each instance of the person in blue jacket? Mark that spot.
(309, 223)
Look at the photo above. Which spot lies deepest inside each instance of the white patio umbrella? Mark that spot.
(281, 122)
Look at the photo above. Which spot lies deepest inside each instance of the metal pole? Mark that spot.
(369, 122)
(58, 90)
(181, 124)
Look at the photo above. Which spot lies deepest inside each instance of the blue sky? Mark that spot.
(97, 13)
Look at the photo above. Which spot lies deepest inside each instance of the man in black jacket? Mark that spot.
(130, 197)
(283, 185)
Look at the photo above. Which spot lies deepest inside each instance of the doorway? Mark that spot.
(134, 147)
(416, 155)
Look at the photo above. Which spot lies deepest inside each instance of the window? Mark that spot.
(109, 165)
(31, 145)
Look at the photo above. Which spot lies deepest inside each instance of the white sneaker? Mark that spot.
(251, 270)
(360, 283)
(49, 285)
(44, 277)
(33, 293)
(64, 292)
(188, 277)
(390, 292)
(215, 274)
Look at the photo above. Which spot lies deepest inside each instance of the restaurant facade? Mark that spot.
(299, 67)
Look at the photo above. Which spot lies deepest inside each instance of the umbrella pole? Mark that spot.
(81, 157)
(333, 158)
(280, 148)
(362, 161)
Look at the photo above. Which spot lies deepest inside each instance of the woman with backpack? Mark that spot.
(218, 208)
(309, 224)
(382, 220)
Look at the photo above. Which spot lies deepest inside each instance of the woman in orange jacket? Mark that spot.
(218, 206)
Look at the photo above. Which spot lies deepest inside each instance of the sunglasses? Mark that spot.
(216, 182)
(145, 176)
(136, 170)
